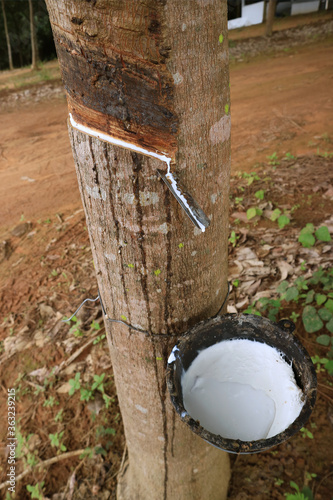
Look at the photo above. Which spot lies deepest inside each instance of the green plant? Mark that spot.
(56, 440)
(251, 309)
(306, 433)
(36, 491)
(310, 475)
(253, 212)
(273, 159)
(305, 494)
(321, 364)
(95, 325)
(74, 383)
(282, 220)
(59, 416)
(260, 194)
(50, 402)
(233, 238)
(99, 339)
(289, 156)
(238, 200)
(74, 329)
(253, 176)
(308, 235)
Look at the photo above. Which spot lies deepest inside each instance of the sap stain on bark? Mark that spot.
(124, 90)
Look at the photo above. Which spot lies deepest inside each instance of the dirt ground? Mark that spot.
(280, 103)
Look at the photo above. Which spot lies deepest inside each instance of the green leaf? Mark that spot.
(329, 325)
(291, 294)
(307, 239)
(252, 212)
(325, 314)
(157, 272)
(309, 297)
(283, 220)
(260, 194)
(282, 287)
(130, 265)
(329, 367)
(311, 320)
(308, 229)
(294, 485)
(123, 317)
(324, 340)
(320, 298)
(307, 493)
(221, 38)
(226, 109)
(323, 234)
(275, 215)
(181, 245)
(329, 305)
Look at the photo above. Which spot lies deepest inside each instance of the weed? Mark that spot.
(273, 159)
(260, 194)
(74, 383)
(253, 176)
(99, 339)
(306, 433)
(36, 491)
(59, 416)
(233, 238)
(56, 441)
(95, 325)
(253, 212)
(50, 402)
(74, 329)
(305, 494)
(289, 156)
(238, 200)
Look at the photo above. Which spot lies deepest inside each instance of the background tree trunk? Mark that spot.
(270, 17)
(155, 74)
(34, 49)
(10, 58)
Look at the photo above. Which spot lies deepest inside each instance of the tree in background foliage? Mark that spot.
(155, 74)
(10, 58)
(18, 23)
(270, 17)
(33, 38)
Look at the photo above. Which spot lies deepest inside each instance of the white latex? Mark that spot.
(241, 389)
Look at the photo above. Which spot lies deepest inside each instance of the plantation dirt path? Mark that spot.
(280, 103)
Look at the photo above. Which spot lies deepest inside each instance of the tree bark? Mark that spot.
(270, 17)
(34, 50)
(153, 74)
(9, 48)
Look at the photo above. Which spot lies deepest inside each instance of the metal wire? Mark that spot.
(127, 324)
(77, 310)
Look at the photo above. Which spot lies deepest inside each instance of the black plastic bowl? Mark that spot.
(250, 327)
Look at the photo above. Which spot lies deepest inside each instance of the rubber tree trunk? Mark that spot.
(270, 17)
(154, 74)
(9, 48)
(34, 50)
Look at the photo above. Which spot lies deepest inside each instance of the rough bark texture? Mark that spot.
(163, 72)
(34, 55)
(10, 59)
(270, 17)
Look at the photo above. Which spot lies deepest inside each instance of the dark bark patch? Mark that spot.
(76, 20)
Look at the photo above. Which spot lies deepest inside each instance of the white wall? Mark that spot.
(304, 7)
